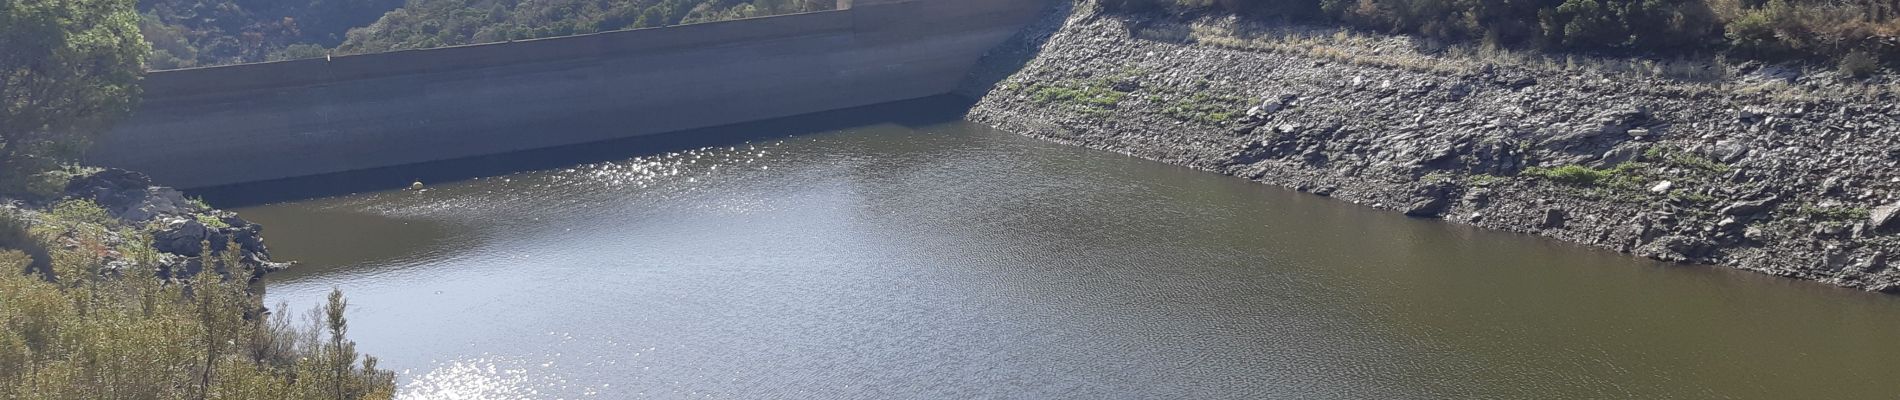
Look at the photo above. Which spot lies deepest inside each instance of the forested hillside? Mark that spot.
(191, 33)
(435, 23)
(1855, 33)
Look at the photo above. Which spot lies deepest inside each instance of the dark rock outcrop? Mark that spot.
(182, 229)
(130, 195)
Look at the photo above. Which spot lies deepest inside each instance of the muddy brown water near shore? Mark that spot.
(940, 259)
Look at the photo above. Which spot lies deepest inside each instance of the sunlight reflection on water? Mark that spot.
(491, 376)
(479, 378)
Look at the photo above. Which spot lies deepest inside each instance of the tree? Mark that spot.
(68, 70)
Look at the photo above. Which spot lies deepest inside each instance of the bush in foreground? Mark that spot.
(93, 322)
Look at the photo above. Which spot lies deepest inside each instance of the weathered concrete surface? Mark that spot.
(224, 125)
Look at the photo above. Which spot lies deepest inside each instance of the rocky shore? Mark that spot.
(1764, 169)
(181, 229)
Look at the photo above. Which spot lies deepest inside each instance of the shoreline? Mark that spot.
(1788, 185)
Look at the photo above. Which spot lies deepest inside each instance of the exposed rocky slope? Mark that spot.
(180, 228)
(1763, 180)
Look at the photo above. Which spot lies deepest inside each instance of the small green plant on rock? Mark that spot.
(1094, 97)
(1569, 174)
(1091, 96)
(1684, 159)
(1626, 177)
(1834, 213)
(212, 222)
(1205, 108)
(1483, 180)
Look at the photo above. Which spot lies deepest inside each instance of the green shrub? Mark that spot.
(1586, 24)
(136, 338)
(13, 229)
(1092, 96)
(36, 178)
(1859, 64)
(299, 51)
(1753, 34)
(13, 260)
(1626, 177)
(70, 69)
(1679, 158)
(1205, 108)
(78, 213)
(212, 222)
(1569, 174)
(1085, 95)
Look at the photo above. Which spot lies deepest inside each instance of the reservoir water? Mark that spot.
(894, 252)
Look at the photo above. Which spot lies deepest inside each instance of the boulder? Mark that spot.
(1458, 91)
(1873, 262)
(1885, 218)
(1662, 187)
(130, 195)
(1517, 82)
(1727, 151)
(1431, 199)
(1553, 218)
(1622, 153)
(1757, 234)
(1478, 197)
(1272, 105)
(1625, 116)
(1253, 152)
(1427, 206)
(158, 201)
(110, 187)
(185, 237)
(1747, 208)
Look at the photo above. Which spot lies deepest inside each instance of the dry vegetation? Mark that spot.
(1685, 75)
(1858, 36)
(89, 320)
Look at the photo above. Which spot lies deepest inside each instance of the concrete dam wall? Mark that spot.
(224, 125)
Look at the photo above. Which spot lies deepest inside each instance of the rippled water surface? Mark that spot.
(927, 258)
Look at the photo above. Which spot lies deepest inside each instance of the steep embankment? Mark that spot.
(1776, 177)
